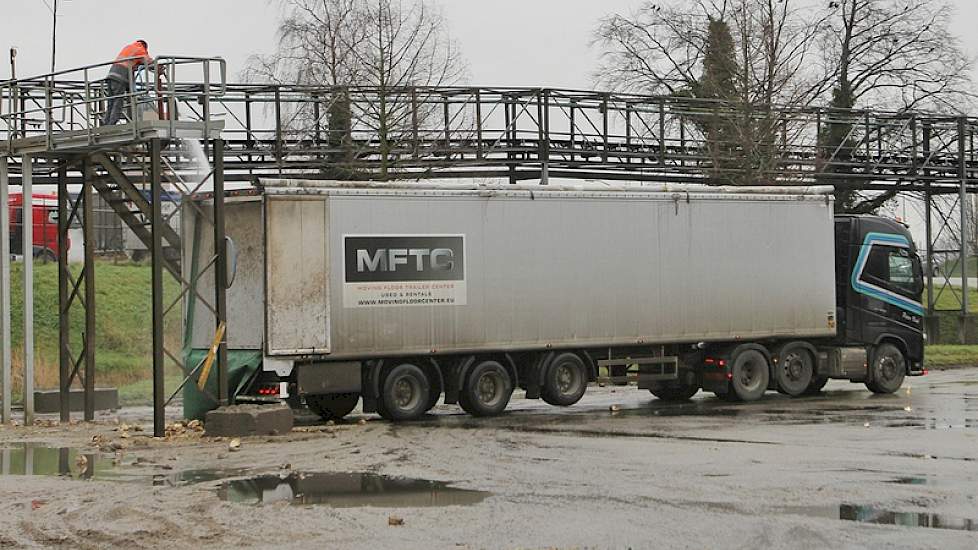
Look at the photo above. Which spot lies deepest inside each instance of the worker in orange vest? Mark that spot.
(120, 78)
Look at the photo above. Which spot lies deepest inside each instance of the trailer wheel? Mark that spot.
(674, 392)
(487, 390)
(888, 369)
(332, 406)
(794, 371)
(405, 393)
(565, 381)
(816, 385)
(751, 375)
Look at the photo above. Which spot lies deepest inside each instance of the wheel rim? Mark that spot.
(407, 392)
(889, 368)
(748, 375)
(566, 379)
(489, 388)
(794, 367)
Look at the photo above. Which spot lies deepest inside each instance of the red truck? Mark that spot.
(45, 225)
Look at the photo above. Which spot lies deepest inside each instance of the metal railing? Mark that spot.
(519, 133)
(72, 102)
(431, 132)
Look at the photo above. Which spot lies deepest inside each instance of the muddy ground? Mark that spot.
(842, 470)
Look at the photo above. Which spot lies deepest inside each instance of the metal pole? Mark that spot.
(929, 198)
(54, 34)
(64, 308)
(156, 251)
(542, 139)
(478, 124)
(5, 417)
(510, 136)
(88, 233)
(963, 205)
(220, 271)
(27, 231)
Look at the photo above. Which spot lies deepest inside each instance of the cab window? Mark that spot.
(892, 268)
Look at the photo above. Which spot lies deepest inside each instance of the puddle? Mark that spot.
(202, 475)
(915, 481)
(346, 490)
(882, 516)
(879, 516)
(28, 459)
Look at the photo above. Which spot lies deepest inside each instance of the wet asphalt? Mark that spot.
(621, 469)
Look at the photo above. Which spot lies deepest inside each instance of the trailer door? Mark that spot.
(296, 276)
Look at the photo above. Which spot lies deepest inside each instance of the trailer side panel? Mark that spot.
(558, 269)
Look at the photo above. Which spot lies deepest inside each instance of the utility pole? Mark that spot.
(54, 34)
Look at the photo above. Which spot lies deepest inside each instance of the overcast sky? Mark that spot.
(506, 42)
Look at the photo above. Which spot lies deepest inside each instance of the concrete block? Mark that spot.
(49, 401)
(245, 420)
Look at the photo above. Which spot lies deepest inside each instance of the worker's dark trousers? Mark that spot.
(116, 92)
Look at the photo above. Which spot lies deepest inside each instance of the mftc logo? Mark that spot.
(404, 258)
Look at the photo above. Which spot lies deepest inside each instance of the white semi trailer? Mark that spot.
(401, 294)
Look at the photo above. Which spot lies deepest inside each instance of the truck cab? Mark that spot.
(879, 287)
(45, 222)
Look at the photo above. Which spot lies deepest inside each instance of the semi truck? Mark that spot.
(405, 294)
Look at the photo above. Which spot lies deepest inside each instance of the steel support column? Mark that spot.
(156, 253)
(963, 205)
(220, 272)
(64, 308)
(88, 232)
(27, 231)
(5, 352)
(928, 222)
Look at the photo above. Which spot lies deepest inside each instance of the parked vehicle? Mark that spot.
(404, 294)
(45, 222)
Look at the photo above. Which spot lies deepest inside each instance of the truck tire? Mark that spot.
(794, 371)
(332, 406)
(816, 385)
(751, 375)
(565, 381)
(487, 390)
(887, 370)
(405, 393)
(675, 393)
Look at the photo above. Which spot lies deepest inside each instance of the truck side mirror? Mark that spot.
(918, 275)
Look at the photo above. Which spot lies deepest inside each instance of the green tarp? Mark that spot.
(242, 365)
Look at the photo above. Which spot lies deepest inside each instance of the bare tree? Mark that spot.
(408, 47)
(660, 48)
(376, 48)
(891, 54)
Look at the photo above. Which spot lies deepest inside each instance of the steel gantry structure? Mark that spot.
(49, 134)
